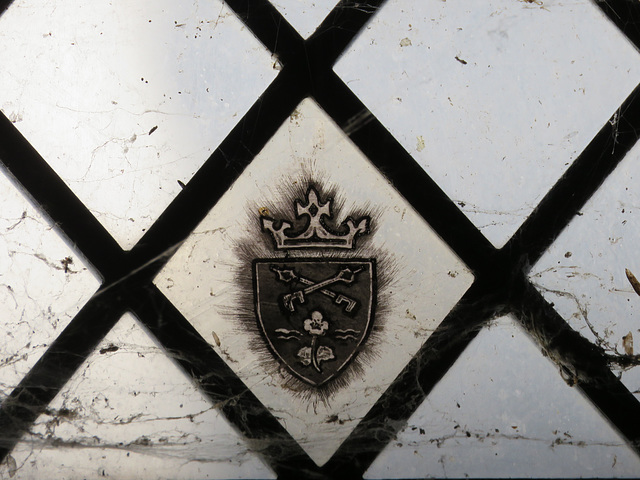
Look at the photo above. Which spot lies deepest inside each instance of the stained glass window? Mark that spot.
(381, 239)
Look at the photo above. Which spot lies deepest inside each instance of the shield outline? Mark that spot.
(336, 260)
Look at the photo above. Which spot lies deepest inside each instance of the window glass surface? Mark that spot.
(494, 99)
(304, 239)
(126, 101)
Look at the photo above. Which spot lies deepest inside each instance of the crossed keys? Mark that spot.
(344, 275)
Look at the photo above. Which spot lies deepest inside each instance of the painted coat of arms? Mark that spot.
(315, 312)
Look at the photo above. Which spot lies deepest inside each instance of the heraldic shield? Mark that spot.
(315, 313)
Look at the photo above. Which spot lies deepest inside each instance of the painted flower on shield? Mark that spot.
(316, 325)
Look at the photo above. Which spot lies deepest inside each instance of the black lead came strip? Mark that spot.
(500, 287)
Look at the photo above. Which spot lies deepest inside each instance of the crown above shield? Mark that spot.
(317, 233)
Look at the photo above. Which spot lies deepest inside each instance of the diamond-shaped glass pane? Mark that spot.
(130, 413)
(126, 101)
(489, 417)
(590, 273)
(304, 16)
(43, 284)
(231, 279)
(494, 99)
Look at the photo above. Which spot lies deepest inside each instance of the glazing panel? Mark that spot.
(129, 412)
(304, 16)
(314, 280)
(591, 271)
(127, 100)
(487, 418)
(43, 284)
(493, 99)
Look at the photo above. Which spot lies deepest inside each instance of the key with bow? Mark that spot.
(289, 275)
(345, 275)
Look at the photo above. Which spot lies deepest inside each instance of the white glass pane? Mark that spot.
(129, 412)
(210, 281)
(127, 100)
(503, 410)
(584, 271)
(494, 99)
(304, 16)
(43, 284)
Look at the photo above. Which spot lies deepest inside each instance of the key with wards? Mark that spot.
(289, 275)
(345, 275)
